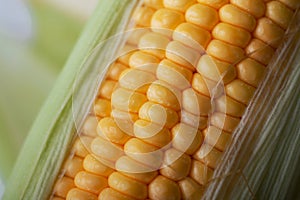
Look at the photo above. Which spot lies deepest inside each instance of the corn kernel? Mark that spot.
(63, 186)
(162, 188)
(216, 137)
(200, 172)
(82, 146)
(125, 53)
(90, 182)
(111, 194)
(293, 4)
(107, 88)
(207, 87)
(90, 126)
(260, 51)
(195, 121)
(279, 13)
(77, 194)
(254, 7)
(105, 149)
(208, 155)
(73, 166)
(190, 189)
(92, 164)
(224, 122)
(142, 16)
(102, 107)
(115, 70)
(214, 3)
(240, 91)
(229, 106)
(179, 5)
(144, 61)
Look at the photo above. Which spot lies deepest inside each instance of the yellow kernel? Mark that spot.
(164, 94)
(77, 194)
(195, 103)
(90, 182)
(158, 114)
(111, 194)
(174, 74)
(195, 121)
(162, 188)
(133, 36)
(202, 15)
(115, 70)
(154, 43)
(225, 52)
(254, 7)
(208, 155)
(190, 189)
(144, 153)
(206, 86)
(229, 106)
(260, 51)
(214, 3)
(250, 71)
(235, 16)
(192, 36)
(176, 165)
(240, 91)
(179, 5)
(200, 172)
(127, 186)
(183, 55)
(152, 133)
(293, 4)
(216, 137)
(124, 120)
(102, 107)
(279, 13)
(92, 164)
(144, 61)
(224, 122)
(215, 69)
(231, 34)
(156, 4)
(63, 186)
(142, 16)
(107, 88)
(90, 126)
(109, 130)
(125, 53)
(73, 166)
(82, 146)
(166, 19)
(127, 100)
(56, 198)
(186, 138)
(105, 149)
(269, 32)
(136, 80)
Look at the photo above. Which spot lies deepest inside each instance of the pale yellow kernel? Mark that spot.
(202, 15)
(127, 100)
(124, 120)
(214, 3)
(109, 130)
(125, 53)
(186, 138)
(225, 52)
(158, 114)
(183, 55)
(107, 88)
(192, 35)
(176, 165)
(115, 70)
(206, 86)
(208, 155)
(190, 189)
(240, 91)
(162, 188)
(231, 34)
(269, 32)
(102, 107)
(73, 166)
(144, 153)
(82, 146)
(195, 121)
(56, 198)
(216, 70)
(225, 122)
(142, 16)
(235, 16)
(174, 74)
(106, 149)
(164, 94)
(254, 7)
(260, 51)
(77, 194)
(279, 13)
(92, 164)
(152, 133)
(216, 137)
(293, 4)
(63, 186)
(128, 186)
(229, 106)
(144, 61)
(111, 194)
(90, 182)
(200, 172)
(250, 71)
(136, 80)
(90, 126)
(179, 5)
(154, 43)
(195, 103)
(156, 4)
(166, 19)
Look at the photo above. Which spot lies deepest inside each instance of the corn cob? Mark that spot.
(165, 112)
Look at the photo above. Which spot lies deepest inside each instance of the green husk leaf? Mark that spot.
(54, 129)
